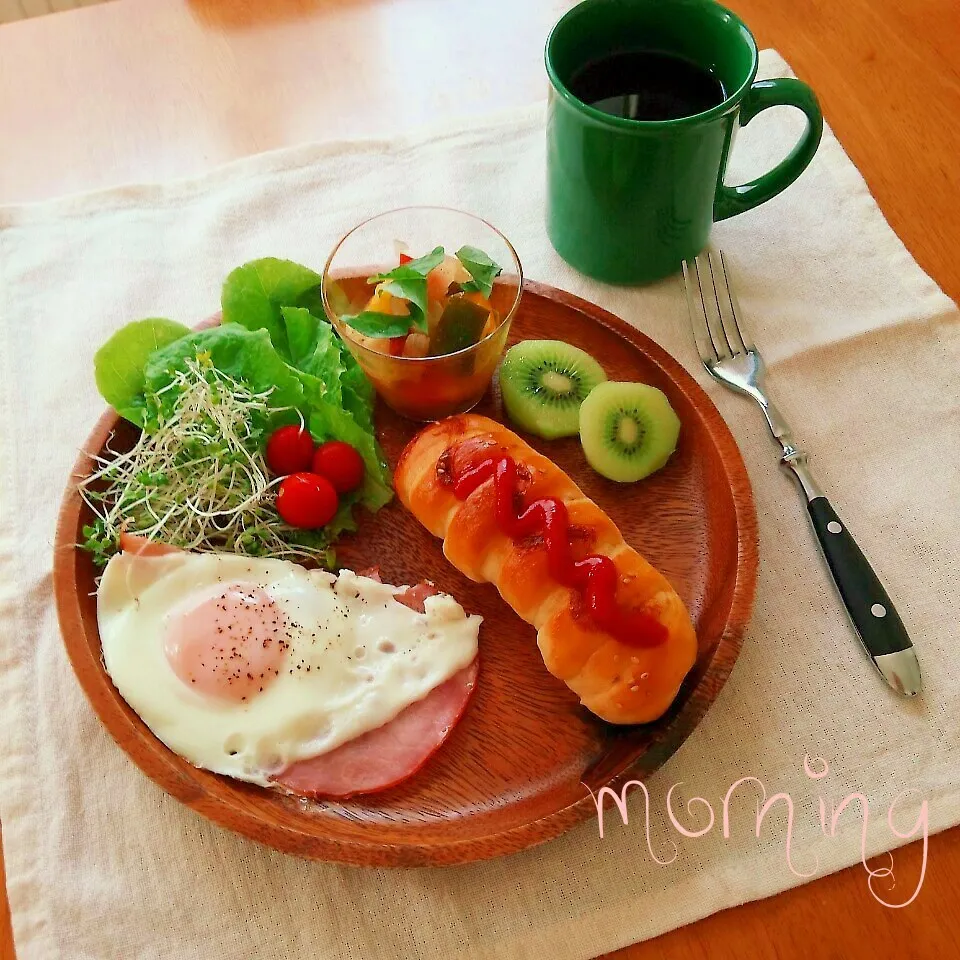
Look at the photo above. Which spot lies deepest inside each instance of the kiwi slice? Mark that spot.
(628, 430)
(543, 383)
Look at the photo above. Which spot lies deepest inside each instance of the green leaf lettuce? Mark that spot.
(254, 296)
(119, 364)
(240, 353)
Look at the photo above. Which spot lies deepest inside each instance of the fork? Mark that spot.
(730, 357)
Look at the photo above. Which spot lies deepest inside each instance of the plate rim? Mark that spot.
(146, 751)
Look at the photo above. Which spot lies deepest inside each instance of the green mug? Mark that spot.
(629, 200)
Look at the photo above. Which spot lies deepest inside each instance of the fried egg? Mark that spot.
(245, 666)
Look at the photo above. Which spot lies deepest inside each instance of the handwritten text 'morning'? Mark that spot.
(701, 808)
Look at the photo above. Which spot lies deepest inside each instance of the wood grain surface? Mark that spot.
(516, 771)
(90, 98)
(11, 10)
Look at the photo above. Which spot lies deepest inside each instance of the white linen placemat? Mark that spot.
(864, 352)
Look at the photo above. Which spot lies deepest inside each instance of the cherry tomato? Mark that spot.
(289, 450)
(307, 500)
(340, 464)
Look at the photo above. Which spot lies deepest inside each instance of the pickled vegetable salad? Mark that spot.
(430, 306)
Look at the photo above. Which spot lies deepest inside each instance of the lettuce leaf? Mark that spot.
(330, 423)
(119, 364)
(315, 349)
(255, 294)
(240, 353)
(358, 393)
(283, 298)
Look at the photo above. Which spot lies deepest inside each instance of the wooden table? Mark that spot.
(139, 90)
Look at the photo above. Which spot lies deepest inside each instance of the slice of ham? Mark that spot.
(389, 755)
(142, 547)
(411, 597)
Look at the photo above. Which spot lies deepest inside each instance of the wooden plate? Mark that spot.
(518, 768)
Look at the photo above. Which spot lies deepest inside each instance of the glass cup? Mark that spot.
(431, 387)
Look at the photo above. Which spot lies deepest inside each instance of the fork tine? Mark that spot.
(711, 305)
(732, 314)
(718, 304)
(698, 316)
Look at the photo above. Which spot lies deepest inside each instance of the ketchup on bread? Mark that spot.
(608, 624)
(595, 576)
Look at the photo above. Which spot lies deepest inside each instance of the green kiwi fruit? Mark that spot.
(628, 430)
(543, 383)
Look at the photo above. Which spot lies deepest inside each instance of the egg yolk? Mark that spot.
(230, 646)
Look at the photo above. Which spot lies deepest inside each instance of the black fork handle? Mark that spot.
(872, 613)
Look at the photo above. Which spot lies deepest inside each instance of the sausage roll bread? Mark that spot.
(608, 624)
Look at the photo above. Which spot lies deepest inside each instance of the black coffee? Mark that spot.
(646, 85)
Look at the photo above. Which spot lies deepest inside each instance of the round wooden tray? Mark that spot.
(519, 767)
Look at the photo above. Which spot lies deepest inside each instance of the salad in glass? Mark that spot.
(427, 321)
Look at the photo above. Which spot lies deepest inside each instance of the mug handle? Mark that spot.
(783, 91)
